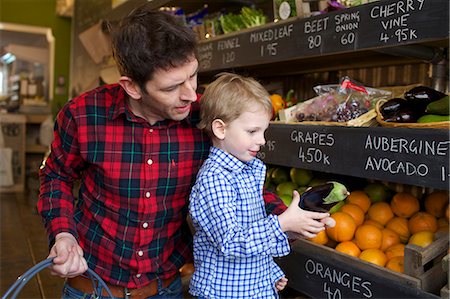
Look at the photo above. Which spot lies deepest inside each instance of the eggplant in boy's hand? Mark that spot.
(323, 197)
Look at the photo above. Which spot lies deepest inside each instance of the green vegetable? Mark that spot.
(440, 107)
(431, 118)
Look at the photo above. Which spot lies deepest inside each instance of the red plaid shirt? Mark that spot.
(130, 216)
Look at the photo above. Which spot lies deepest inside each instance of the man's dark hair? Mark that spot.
(147, 40)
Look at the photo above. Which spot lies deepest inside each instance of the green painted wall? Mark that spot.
(43, 13)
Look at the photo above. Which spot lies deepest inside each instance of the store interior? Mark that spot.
(53, 50)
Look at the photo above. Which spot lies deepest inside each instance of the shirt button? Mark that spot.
(140, 253)
(138, 275)
(145, 225)
(147, 194)
(149, 161)
(151, 130)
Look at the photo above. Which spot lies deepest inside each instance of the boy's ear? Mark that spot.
(218, 128)
(131, 88)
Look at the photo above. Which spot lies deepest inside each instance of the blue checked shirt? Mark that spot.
(235, 240)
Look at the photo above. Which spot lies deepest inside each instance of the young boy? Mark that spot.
(235, 240)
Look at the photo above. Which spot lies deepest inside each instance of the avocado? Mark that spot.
(440, 107)
(431, 118)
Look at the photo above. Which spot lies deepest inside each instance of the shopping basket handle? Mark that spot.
(30, 273)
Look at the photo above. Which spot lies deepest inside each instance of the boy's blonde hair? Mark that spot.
(228, 96)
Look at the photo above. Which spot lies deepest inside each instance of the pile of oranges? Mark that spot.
(377, 231)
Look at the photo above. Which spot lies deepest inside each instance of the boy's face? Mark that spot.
(171, 92)
(244, 136)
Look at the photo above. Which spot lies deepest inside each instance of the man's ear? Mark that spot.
(131, 88)
(218, 128)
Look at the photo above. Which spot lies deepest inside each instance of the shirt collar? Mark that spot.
(229, 161)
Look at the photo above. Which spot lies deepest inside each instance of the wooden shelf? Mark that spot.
(332, 39)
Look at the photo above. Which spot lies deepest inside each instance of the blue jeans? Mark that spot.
(173, 291)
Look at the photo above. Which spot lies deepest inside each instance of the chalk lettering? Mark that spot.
(351, 282)
(405, 146)
(396, 167)
(312, 138)
(272, 34)
(228, 44)
(387, 10)
(316, 25)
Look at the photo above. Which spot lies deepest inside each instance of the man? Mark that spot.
(135, 148)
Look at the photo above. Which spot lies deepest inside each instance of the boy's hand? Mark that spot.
(305, 223)
(281, 284)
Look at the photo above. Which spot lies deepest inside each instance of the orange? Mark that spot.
(435, 203)
(321, 238)
(374, 256)
(389, 238)
(395, 250)
(277, 103)
(355, 211)
(381, 212)
(345, 227)
(404, 204)
(359, 198)
(368, 236)
(422, 238)
(400, 226)
(396, 264)
(374, 223)
(348, 247)
(422, 221)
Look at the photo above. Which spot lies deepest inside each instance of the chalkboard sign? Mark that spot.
(374, 25)
(409, 156)
(322, 272)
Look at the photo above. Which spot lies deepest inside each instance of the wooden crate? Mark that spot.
(322, 272)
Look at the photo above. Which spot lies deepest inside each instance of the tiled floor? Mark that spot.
(23, 244)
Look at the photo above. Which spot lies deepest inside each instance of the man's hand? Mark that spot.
(69, 260)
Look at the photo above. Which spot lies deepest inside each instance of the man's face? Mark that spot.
(171, 92)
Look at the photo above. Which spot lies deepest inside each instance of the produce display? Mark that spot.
(373, 223)
(336, 103)
(420, 104)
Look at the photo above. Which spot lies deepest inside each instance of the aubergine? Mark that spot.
(322, 198)
(406, 115)
(421, 96)
(392, 107)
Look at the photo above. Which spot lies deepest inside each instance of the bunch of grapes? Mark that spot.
(349, 110)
